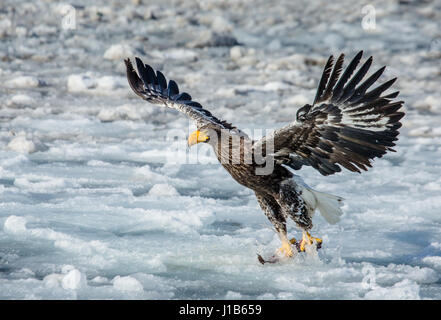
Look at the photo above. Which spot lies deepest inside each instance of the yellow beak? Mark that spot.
(196, 137)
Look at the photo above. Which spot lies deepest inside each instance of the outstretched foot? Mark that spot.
(308, 240)
(286, 249)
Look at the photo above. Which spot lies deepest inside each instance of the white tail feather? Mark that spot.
(328, 204)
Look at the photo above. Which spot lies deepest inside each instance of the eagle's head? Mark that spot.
(198, 136)
(211, 134)
(204, 134)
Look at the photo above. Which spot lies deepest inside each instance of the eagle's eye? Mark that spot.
(205, 135)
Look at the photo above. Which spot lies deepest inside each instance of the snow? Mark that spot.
(237, 52)
(73, 280)
(163, 189)
(23, 82)
(20, 100)
(22, 145)
(403, 290)
(101, 199)
(5, 26)
(80, 82)
(90, 83)
(15, 225)
(127, 284)
(118, 52)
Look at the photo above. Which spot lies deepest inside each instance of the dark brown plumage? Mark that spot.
(346, 126)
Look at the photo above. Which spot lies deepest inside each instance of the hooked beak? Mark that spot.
(196, 137)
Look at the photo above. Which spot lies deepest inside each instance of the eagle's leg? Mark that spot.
(274, 214)
(292, 203)
(286, 248)
(308, 239)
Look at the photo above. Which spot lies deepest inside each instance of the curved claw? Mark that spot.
(308, 239)
(286, 249)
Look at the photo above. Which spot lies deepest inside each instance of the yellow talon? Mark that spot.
(308, 239)
(286, 249)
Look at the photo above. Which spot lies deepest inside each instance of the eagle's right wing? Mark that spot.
(152, 86)
(346, 125)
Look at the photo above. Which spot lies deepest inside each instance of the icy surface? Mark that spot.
(96, 204)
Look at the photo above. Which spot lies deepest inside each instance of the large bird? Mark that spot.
(347, 125)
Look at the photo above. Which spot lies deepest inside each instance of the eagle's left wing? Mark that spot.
(152, 86)
(346, 125)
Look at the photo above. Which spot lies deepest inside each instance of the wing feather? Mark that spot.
(324, 79)
(152, 86)
(333, 79)
(338, 90)
(347, 126)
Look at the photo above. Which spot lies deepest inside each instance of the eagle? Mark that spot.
(347, 126)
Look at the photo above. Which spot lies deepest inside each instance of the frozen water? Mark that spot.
(98, 200)
(127, 284)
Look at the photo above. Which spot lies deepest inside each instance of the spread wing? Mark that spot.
(152, 86)
(347, 125)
